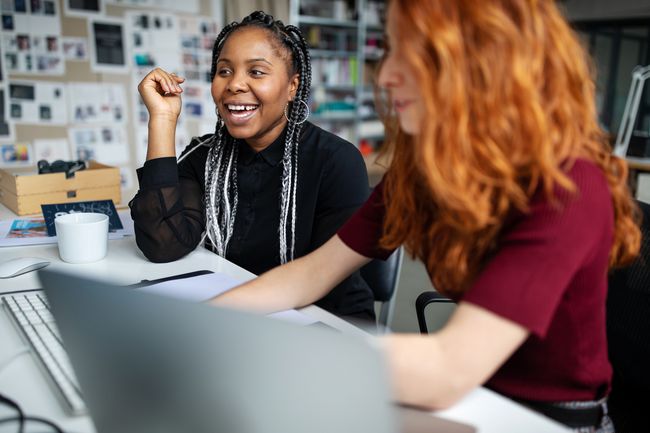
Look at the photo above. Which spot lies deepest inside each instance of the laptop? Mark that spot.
(147, 363)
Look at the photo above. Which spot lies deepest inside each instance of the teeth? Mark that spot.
(233, 107)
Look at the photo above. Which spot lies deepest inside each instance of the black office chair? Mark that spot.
(628, 334)
(428, 299)
(383, 276)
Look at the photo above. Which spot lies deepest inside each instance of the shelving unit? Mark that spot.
(346, 45)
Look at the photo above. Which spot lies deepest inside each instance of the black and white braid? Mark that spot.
(221, 164)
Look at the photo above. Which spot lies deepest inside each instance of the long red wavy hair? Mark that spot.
(510, 104)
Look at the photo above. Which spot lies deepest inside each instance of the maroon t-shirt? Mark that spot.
(549, 275)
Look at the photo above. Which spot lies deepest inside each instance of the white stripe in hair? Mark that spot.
(207, 143)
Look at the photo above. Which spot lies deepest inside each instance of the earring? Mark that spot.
(307, 112)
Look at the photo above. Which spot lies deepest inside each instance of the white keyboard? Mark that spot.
(31, 313)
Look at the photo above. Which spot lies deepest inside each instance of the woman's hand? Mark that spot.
(161, 94)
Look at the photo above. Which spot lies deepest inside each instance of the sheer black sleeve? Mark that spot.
(168, 210)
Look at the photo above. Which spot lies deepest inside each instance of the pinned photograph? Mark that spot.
(107, 136)
(37, 102)
(36, 7)
(84, 138)
(7, 22)
(96, 103)
(6, 128)
(83, 8)
(16, 112)
(192, 91)
(12, 61)
(20, 6)
(46, 112)
(85, 153)
(51, 149)
(197, 36)
(22, 91)
(49, 8)
(108, 51)
(15, 154)
(75, 48)
(154, 40)
(22, 41)
(52, 43)
(48, 63)
(2, 69)
(193, 109)
(106, 145)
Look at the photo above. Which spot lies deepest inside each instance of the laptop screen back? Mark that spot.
(151, 364)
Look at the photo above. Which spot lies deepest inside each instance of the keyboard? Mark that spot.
(31, 314)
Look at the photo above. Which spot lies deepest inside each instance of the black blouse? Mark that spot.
(169, 211)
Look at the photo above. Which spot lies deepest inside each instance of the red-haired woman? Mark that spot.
(503, 184)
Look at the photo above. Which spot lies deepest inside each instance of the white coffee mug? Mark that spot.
(82, 237)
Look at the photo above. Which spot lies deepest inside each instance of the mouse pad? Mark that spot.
(51, 211)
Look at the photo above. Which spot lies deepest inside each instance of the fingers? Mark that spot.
(168, 83)
(177, 78)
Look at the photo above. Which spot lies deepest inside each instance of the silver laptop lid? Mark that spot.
(151, 364)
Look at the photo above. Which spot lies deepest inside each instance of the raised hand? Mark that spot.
(161, 93)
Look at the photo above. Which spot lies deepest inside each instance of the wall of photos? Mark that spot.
(69, 71)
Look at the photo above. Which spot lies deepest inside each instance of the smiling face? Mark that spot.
(252, 86)
(399, 80)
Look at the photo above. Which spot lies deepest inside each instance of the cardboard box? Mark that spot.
(24, 192)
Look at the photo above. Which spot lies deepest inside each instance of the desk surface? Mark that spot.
(23, 381)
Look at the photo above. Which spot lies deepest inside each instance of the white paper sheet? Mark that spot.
(153, 41)
(38, 102)
(51, 149)
(75, 48)
(207, 286)
(104, 144)
(187, 6)
(97, 103)
(133, 3)
(32, 37)
(194, 289)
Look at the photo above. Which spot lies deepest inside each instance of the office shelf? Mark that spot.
(349, 116)
(332, 53)
(346, 44)
(306, 19)
(335, 87)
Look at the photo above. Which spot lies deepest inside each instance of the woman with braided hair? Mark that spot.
(267, 186)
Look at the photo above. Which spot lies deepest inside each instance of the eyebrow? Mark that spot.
(260, 59)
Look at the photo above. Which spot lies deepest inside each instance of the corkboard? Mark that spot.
(76, 71)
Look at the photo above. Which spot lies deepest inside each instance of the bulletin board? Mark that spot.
(69, 72)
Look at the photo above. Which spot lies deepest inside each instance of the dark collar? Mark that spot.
(272, 155)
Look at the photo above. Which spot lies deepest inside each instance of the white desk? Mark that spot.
(24, 382)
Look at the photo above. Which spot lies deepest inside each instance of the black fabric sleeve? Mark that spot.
(168, 210)
(343, 190)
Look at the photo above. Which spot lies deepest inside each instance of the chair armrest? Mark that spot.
(421, 303)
